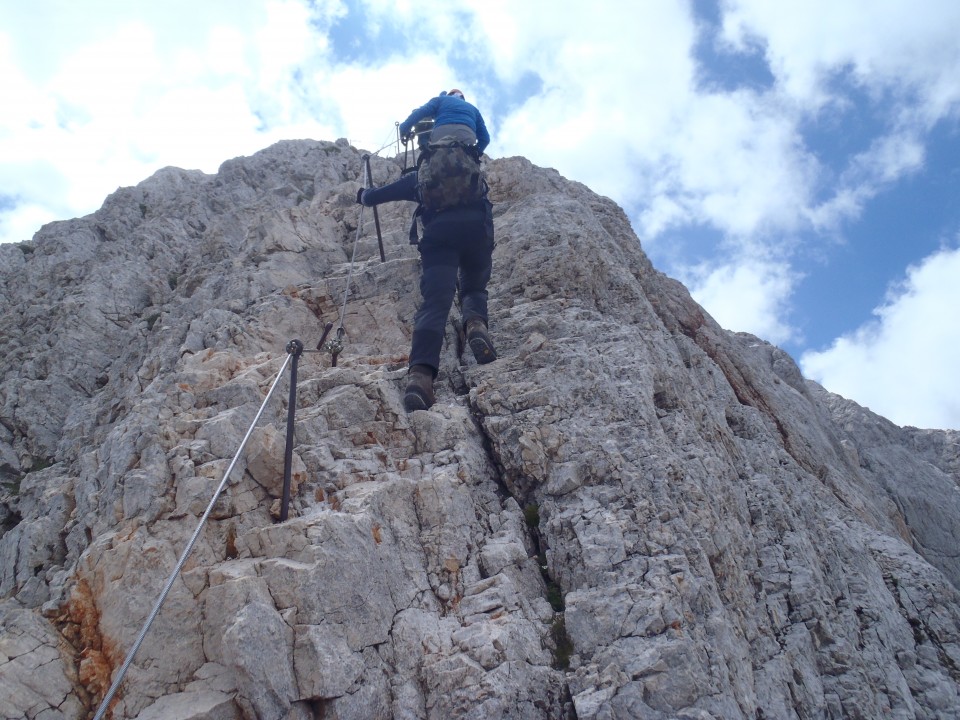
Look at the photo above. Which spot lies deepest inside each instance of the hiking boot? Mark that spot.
(419, 392)
(479, 340)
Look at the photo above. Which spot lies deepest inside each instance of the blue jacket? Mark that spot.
(450, 110)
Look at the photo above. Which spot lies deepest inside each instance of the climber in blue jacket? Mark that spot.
(456, 252)
(450, 113)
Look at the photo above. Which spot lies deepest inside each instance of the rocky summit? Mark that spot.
(632, 513)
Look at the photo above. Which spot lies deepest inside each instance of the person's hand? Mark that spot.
(360, 196)
(404, 138)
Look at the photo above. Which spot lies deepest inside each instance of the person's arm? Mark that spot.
(403, 189)
(483, 136)
(428, 109)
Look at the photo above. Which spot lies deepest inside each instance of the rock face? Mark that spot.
(631, 514)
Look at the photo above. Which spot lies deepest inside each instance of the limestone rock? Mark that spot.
(631, 513)
(35, 674)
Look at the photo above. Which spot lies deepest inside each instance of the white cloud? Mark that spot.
(736, 162)
(373, 99)
(633, 126)
(101, 94)
(603, 111)
(903, 57)
(886, 44)
(890, 158)
(26, 221)
(104, 99)
(749, 294)
(903, 364)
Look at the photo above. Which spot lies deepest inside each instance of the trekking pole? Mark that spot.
(186, 553)
(368, 182)
(295, 348)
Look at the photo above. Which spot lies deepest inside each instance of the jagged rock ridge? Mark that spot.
(631, 514)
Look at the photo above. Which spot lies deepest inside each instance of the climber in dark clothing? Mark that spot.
(456, 249)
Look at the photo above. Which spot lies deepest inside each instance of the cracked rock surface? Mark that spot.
(633, 513)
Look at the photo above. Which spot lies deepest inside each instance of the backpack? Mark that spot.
(449, 175)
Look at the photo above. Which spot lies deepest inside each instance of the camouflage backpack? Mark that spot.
(449, 175)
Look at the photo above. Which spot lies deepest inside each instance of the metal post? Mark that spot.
(376, 216)
(295, 348)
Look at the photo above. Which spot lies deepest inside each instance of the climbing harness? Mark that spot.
(186, 553)
(334, 346)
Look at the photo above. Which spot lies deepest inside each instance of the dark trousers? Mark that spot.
(453, 253)
(456, 251)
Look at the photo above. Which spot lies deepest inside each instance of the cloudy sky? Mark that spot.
(795, 164)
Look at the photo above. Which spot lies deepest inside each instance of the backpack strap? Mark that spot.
(449, 142)
(414, 237)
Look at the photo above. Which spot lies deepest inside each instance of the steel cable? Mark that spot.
(183, 558)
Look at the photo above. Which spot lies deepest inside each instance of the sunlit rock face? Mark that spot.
(633, 513)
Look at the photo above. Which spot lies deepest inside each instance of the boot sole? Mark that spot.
(413, 400)
(482, 350)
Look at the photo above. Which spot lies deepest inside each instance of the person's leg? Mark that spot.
(476, 263)
(419, 392)
(474, 276)
(438, 280)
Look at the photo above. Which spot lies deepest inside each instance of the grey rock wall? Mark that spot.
(631, 514)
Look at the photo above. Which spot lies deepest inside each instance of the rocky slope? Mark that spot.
(632, 514)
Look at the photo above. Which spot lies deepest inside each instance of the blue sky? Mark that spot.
(795, 164)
